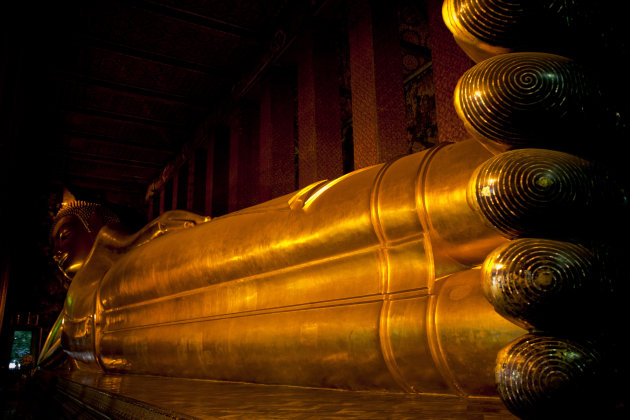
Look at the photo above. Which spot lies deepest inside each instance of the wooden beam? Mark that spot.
(197, 18)
(73, 136)
(123, 117)
(130, 88)
(109, 184)
(101, 159)
(90, 40)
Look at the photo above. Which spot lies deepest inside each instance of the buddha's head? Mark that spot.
(73, 233)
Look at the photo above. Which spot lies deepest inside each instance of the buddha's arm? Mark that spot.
(171, 221)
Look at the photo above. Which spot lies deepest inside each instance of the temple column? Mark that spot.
(236, 134)
(220, 170)
(168, 195)
(277, 136)
(150, 209)
(190, 190)
(319, 111)
(181, 182)
(200, 178)
(155, 204)
(449, 63)
(162, 199)
(376, 78)
(175, 181)
(243, 167)
(209, 177)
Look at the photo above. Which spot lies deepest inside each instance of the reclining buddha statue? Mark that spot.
(456, 270)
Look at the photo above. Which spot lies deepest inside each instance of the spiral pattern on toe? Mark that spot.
(491, 21)
(531, 191)
(540, 283)
(524, 99)
(517, 24)
(545, 375)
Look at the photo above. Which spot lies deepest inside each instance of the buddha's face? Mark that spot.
(72, 243)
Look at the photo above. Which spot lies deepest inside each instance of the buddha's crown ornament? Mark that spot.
(84, 210)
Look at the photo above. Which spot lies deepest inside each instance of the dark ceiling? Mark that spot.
(128, 82)
(100, 96)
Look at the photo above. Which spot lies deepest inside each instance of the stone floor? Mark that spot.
(132, 396)
(82, 395)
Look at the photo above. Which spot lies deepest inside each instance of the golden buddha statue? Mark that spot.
(450, 271)
(371, 281)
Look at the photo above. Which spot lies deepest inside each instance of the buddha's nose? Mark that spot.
(58, 256)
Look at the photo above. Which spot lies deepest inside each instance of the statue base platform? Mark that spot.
(82, 394)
